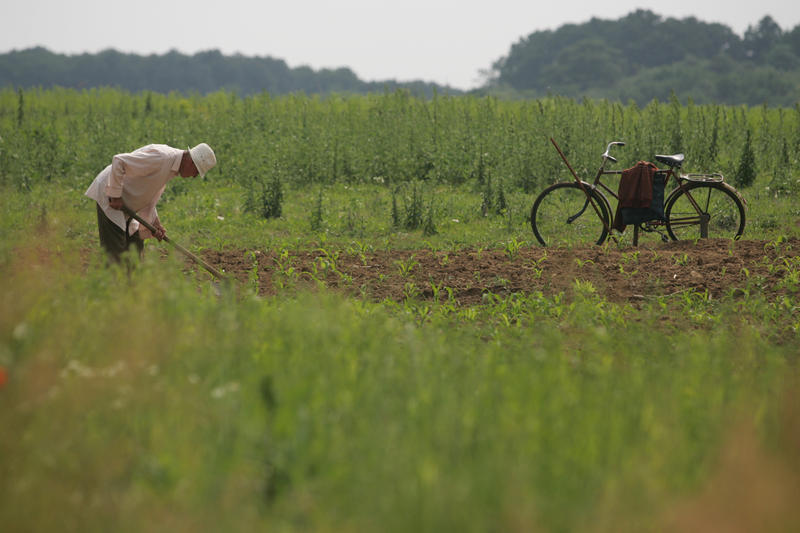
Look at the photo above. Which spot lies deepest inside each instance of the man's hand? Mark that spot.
(160, 231)
(115, 203)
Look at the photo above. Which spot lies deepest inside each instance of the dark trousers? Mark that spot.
(114, 239)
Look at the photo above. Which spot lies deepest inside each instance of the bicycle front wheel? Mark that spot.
(704, 210)
(562, 215)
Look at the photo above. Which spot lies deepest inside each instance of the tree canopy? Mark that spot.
(644, 56)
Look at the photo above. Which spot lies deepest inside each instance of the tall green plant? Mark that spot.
(391, 138)
(265, 198)
(746, 169)
(316, 213)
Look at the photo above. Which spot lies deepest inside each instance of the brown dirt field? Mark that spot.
(720, 267)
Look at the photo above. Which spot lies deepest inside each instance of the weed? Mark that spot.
(746, 170)
(429, 228)
(267, 200)
(413, 209)
(316, 220)
(395, 212)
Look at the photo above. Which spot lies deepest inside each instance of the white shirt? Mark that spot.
(140, 178)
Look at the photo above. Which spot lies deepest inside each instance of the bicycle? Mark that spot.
(699, 206)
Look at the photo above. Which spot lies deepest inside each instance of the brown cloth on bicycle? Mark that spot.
(635, 189)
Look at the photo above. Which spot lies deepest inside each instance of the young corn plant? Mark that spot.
(286, 276)
(681, 259)
(512, 248)
(410, 291)
(584, 288)
(406, 267)
(791, 278)
(630, 257)
(536, 266)
(360, 249)
(252, 274)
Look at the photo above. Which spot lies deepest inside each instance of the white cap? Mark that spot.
(203, 157)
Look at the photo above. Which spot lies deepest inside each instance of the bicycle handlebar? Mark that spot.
(606, 154)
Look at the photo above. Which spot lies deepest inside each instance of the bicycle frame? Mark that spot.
(599, 186)
(582, 185)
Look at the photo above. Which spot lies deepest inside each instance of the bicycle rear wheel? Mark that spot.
(719, 212)
(562, 215)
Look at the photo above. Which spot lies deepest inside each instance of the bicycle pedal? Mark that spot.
(653, 229)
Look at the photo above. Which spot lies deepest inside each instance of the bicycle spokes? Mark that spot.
(557, 216)
(704, 210)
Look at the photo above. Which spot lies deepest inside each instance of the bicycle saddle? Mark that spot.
(674, 161)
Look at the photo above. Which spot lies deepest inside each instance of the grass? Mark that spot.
(155, 400)
(211, 215)
(145, 401)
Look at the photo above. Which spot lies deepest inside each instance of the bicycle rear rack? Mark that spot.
(714, 177)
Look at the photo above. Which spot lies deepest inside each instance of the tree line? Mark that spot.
(203, 72)
(640, 57)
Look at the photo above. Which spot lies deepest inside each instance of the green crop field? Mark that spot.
(293, 398)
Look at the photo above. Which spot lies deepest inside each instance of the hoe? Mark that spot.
(216, 273)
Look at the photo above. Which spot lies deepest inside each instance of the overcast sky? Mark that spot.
(445, 41)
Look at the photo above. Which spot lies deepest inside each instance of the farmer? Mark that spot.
(138, 180)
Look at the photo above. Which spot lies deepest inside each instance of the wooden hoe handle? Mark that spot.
(216, 273)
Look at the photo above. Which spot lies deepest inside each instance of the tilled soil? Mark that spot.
(719, 267)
